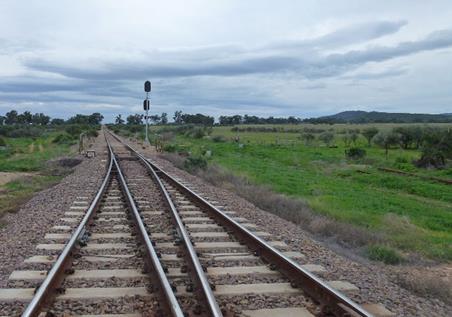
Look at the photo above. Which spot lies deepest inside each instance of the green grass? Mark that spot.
(27, 155)
(415, 214)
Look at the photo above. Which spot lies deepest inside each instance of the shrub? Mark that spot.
(2, 142)
(308, 138)
(195, 163)
(4, 130)
(326, 137)
(384, 254)
(218, 139)
(170, 148)
(31, 132)
(92, 133)
(73, 130)
(401, 160)
(198, 133)
(355, 153)
(426, 284)
(63, 138)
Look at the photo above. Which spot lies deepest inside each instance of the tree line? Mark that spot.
(27, 118)
(178, 118)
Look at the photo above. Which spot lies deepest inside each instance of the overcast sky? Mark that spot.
(280, 58)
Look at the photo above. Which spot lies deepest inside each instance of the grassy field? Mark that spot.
(414, 214)
(29, 155)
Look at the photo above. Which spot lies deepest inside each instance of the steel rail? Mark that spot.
(56, 274)
(171, 303)
(332, 300)
(205, 291)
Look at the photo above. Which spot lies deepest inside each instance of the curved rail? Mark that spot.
(205, 289)
(56, 274)
(332, 300)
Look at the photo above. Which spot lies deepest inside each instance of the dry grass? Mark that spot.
(426, 284)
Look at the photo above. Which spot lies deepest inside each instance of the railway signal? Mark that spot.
(146, 107)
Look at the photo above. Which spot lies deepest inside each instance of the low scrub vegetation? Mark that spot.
(29, 147)
(426, 284)
(339, 188)
(384, 254)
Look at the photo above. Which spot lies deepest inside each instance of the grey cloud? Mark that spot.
(354, 34)
(314, 66)
(379, 75)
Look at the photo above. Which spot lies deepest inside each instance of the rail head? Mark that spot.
(55, 274)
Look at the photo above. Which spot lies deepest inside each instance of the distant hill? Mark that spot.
(382, 117)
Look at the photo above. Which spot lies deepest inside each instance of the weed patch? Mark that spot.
(383, 254)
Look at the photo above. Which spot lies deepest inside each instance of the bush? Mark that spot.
(384, 254)
(355, 153)
(198, 133)
(73, 130)
(195, 163)
(31, 132)
(4, 130)
(308, 138)
(401, 160)
(2, 142)
(170, 148)
(326, 137)
(63, 138)
(92, 133)
(218, 139)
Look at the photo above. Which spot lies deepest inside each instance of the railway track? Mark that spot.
(148, 245)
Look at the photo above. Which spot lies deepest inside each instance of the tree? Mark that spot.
(155, 118)
(436, 147)
(406, 136)
(40, 119)
(293, 120)
(11, 117)
(95, 118)
(327, 138)
(25, 118)
(197, 119)
(119, 119)
(386, 140)
(2, 120)
(178, 117)
(135, 119)
(57, 121)
(369, 133)
(164, 118)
